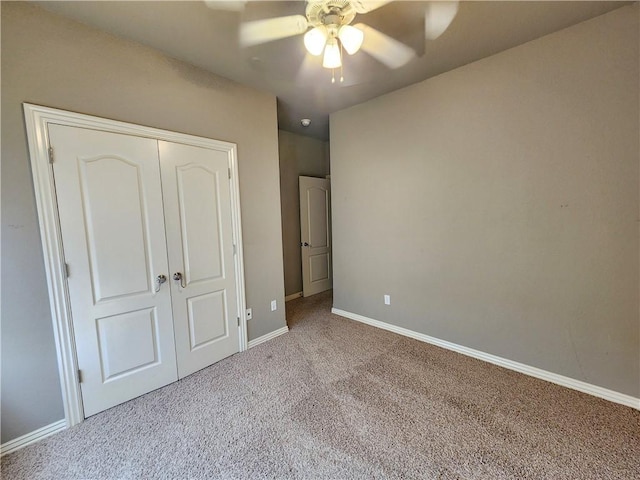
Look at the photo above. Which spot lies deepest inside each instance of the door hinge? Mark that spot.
(66, 270)
(50, 154)
(238, 321)
(79, 376)
(229, 174)
(235, 249)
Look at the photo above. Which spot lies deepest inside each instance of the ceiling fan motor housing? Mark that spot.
(330, 12)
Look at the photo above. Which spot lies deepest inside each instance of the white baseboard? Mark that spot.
(584, 387)
(29, 438)
(293, 296)
(268, 336)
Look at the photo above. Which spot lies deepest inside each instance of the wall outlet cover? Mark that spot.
(387, 299)
(274, 306)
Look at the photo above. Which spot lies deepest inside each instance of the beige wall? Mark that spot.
(51, 61)
(299, 155)
(498, 204)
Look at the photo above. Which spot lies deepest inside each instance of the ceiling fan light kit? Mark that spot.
(331, 32)
(438, 17)
(351, 38)
(332, 27)
(332, 58)
(315, 40)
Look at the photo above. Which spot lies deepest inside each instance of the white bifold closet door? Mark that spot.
(135, 211)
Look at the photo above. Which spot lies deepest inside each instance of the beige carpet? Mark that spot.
(337, 399)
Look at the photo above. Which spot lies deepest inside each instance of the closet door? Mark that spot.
(197, 200)
(111, 216)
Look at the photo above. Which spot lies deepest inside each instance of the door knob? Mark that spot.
(305, 244)
(160, 279)
(178, 276)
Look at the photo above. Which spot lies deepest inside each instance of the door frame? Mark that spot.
(37, 119)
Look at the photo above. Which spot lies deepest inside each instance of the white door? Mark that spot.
(197, 199)
(111, 216)
(315, 234)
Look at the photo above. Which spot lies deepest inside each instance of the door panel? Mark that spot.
(119, 263)
(128, 342)
(111, 216)
(207, 314)
(317, 206)
(315, 234)
(197, 199)
(319, 267)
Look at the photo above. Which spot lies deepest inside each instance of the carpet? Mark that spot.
(336, 399)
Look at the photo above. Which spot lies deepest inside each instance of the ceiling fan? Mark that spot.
(328, 30)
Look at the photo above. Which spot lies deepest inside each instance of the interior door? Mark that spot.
(197, 199)
(315, 234)
(111, 216)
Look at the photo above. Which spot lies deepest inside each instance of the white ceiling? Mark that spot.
(208, 38)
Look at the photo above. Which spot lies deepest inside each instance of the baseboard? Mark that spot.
(29, 438)
(561, 380)
(268, 336)
(293, 296)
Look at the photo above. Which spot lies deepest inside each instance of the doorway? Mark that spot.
(299, 156)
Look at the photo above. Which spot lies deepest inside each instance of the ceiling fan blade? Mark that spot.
(263, 31)
(387, 50)
(438, 17)
(366, 6)
(229, 5)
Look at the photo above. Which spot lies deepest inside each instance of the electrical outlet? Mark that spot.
(249, 314)
(274, 306)
(387, 299)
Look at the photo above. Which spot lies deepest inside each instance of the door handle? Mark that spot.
(305, 244)
(178, 276)
(160, 279)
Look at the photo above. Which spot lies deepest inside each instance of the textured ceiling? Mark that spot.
(208, 38)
